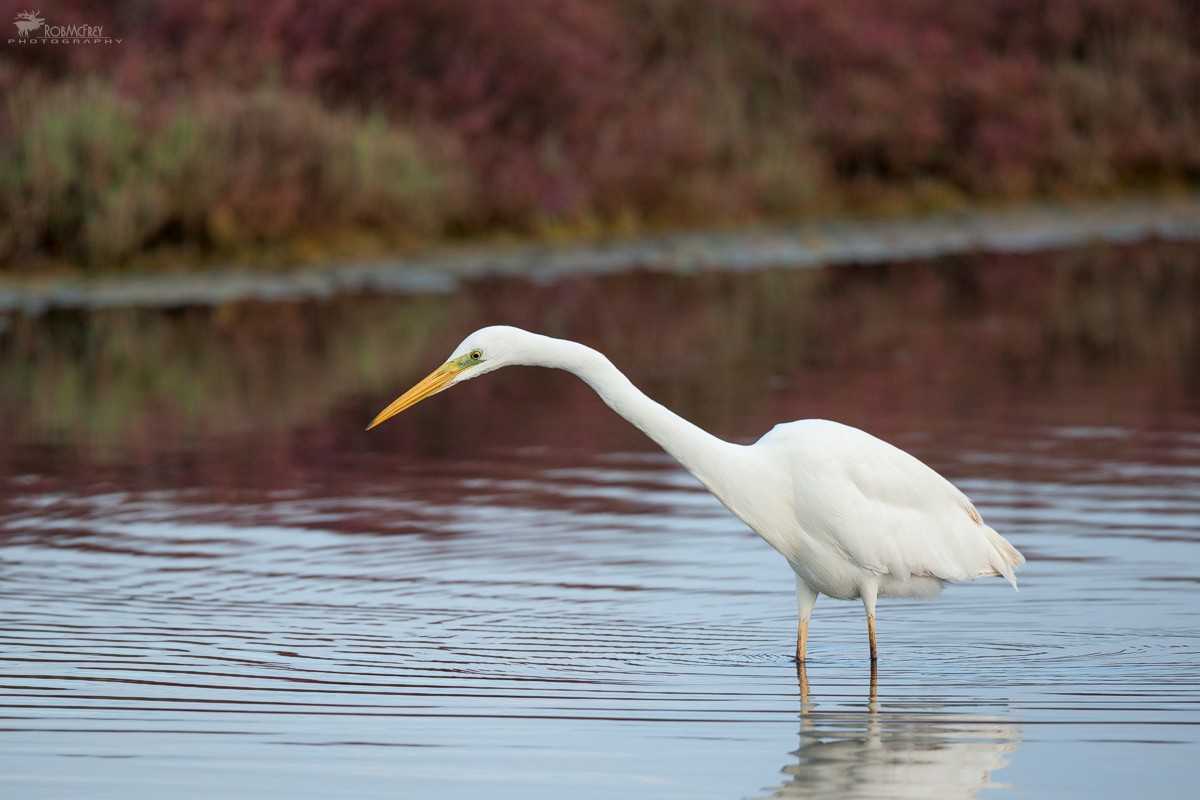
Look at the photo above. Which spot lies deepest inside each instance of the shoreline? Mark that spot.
(1021, 229)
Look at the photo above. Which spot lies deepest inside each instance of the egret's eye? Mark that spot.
(476, 354)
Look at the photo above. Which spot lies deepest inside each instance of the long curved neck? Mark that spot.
(699, 451)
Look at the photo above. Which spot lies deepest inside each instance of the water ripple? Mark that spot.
(594, 598)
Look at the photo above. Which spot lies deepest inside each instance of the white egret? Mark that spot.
(855, 517)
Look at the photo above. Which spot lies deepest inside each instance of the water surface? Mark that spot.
(214, 582)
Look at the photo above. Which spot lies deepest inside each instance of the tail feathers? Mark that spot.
(1004, 557)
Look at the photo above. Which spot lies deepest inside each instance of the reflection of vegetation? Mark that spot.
(1113, 329)
(1102, 336)
(116, 379)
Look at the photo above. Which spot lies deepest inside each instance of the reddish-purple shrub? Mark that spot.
(574, 111)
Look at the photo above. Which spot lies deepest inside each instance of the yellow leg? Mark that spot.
(871, 633)
(805, 599)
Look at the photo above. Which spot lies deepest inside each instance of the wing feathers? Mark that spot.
(886, 510)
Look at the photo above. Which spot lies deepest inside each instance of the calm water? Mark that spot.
(218, 584)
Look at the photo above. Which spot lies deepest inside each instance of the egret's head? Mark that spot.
(483, 351)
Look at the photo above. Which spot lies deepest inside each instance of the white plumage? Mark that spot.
(855, 517)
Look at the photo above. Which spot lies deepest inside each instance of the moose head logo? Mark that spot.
(28, 21)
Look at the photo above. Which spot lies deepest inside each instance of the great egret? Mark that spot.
(855, 517)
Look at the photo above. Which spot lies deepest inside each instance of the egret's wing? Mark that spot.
(886, 510)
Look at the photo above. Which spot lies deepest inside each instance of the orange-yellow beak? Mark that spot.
(426, 388)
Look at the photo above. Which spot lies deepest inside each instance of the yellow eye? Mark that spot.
(476, 354)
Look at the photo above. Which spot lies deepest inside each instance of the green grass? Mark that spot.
(94, 177)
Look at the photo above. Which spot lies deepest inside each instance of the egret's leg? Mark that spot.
(806, 598)
(869, 593)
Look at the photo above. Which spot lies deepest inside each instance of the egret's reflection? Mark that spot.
(904, 751)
